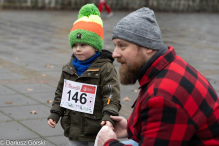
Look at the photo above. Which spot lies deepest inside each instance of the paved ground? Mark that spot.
(34, 47)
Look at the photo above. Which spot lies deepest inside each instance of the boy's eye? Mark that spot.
(83, 44)
(74, 45)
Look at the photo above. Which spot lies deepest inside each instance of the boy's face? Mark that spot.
(83, 51)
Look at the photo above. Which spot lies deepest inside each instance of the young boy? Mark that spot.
(92, 66)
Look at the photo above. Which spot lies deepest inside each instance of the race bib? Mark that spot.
(78, 96)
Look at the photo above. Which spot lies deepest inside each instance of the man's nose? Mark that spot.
(116, 54)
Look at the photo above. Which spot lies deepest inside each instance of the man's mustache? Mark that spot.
(120, 60)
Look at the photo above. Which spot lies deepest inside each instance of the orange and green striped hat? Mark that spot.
(88, 28)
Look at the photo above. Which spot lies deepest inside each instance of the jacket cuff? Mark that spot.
(54, 116)
(113, 110)
(106, 117)
(107, 143)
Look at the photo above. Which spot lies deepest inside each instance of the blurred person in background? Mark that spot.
(104, 3)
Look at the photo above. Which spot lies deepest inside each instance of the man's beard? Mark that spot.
(128, 73)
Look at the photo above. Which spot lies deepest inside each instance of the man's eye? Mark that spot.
(121, 46)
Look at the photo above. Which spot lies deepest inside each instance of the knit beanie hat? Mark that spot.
(88, 28)
(140, 27)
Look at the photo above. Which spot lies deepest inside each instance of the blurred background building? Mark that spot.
(157, 5)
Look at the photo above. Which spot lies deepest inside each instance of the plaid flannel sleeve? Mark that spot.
(163, 122)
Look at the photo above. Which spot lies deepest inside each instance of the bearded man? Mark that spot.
(176, 105)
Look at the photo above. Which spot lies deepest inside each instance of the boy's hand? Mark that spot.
(51, 123)
(107, 123)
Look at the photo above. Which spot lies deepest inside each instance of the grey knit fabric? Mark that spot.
(140, 27)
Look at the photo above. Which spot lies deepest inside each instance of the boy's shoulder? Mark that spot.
(65, 65)
(70, 61)
(106, 54)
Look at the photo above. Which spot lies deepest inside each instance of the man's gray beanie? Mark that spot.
(140, 27)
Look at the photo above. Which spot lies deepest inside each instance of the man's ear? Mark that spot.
(149, 51)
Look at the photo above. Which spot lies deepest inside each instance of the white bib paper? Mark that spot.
(78, 96)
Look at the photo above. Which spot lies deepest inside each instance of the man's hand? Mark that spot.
(51, 123)
(105, 134)
(120, 127)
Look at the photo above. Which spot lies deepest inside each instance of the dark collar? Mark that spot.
(155, 65)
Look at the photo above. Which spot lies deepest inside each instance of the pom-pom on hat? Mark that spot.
(88, 28)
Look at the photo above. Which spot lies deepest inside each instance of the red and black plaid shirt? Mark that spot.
(177, 106)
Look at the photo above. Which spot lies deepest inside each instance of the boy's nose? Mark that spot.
(78, 48)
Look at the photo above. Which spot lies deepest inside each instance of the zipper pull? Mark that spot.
(110, 91)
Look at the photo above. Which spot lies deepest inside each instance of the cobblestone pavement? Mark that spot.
(34, 46)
